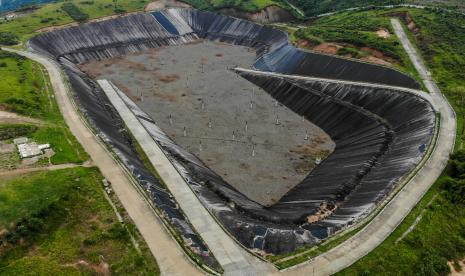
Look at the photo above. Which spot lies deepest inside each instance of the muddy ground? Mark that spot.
(229, 123)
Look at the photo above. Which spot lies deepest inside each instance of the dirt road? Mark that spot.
(13, 118)
(11, 173)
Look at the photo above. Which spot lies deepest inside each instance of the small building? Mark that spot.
(20, 140)
(44, 146)
(28, 150)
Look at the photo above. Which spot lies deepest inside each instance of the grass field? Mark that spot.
(52, 14)
(442, 44)
(59, 223)
(25, 89)
(249, 6)
(438, 221)
(355, 33)
(316, 7)
(439, 235)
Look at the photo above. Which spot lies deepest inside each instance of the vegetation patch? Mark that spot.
(440, 38)
(7, 38)
(26, 25)
(437, 238)
(317, 7)
(26, 90)
(23, 87)
(59, 222)
(12, 131)
(74, 12)
(432, 234)
(63, 143)
(356, 33)
(248, 6)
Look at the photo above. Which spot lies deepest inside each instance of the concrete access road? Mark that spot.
(169, 255)
(400, 206)
(235, 260)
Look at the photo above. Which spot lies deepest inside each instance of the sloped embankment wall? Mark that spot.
(381, 134)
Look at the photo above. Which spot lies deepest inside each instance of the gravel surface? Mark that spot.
(204, 107)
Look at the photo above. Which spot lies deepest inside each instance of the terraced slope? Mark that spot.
(381, 133)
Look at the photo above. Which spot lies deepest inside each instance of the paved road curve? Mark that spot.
(169, 255)
(233, 259)
(394, 213)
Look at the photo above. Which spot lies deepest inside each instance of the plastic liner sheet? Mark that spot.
(177, 26)
(381, 134)
(375, 148)
(165, 23)
(105, 119)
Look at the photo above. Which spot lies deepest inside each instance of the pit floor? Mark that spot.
(190, 87)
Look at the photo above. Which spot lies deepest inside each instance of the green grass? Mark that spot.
(52, 14)
(7, 38)
(22, 87)
(74, 12)
(56, 219)
(439, 236)
(357, 31)
(63, 143)
(316, 7)
(442, 44)
(11, 131)
(244, 5)
(25, 89)
(448, 4)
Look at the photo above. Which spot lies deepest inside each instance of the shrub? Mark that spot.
(118, 232)
(74, 12)
(119, 10)
(7, 38)
(12, 131)
(46, 20)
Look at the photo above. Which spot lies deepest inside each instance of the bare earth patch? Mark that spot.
(376, 60)
(453, 271)
(327, 48)
(162, 4)
(383, 33)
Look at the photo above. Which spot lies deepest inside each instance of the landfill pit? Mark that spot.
(260, 147)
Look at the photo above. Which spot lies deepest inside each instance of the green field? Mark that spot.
(59, 222)
(25, 89)
(442, 44)
(249, 6)
(52, 14)
(8, 132)
(316, 7)
(355, 33)
(439, 235)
